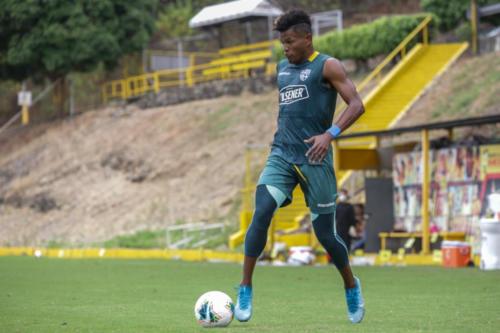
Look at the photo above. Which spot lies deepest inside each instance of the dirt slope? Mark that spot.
(116, 171)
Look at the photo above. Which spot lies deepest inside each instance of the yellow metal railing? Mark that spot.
(247, 47)
(400, 49)
(141, 84)
(232, 62)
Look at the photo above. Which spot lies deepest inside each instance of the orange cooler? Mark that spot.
(455, 254)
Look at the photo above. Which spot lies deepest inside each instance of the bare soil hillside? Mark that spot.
(116, 170)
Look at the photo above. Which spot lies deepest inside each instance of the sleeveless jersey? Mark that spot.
(306, 107)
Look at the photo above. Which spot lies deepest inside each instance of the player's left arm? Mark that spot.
(335, 75)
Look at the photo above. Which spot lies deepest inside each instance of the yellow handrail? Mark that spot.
(400, 48)
(246, 47)
(184, 53)
(140, 84)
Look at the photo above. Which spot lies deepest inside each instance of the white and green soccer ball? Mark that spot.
(214, 309)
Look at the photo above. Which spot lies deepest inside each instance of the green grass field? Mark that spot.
(64, 295)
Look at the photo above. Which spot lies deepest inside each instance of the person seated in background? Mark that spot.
(345, 217)
(358, 233)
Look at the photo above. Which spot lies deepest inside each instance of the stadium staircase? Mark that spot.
(395, 91)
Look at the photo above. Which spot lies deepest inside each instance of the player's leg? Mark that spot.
(267, 200)
(319, 186)
(323, 225)
(274, 189)
(324, 229)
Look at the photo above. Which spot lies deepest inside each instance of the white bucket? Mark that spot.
(494, 204)
(490, 243)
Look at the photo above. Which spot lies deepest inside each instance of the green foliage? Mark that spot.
(311, 6)
(174, 18)
(450, 12)
(53, 38)
(140, 240)
(57, 244)
(365, 41)
(147, 239)
(464, 31)
(8, 100)
(200, 4)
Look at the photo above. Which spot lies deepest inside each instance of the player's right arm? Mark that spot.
(335, 75)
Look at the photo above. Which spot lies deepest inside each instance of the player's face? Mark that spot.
(295, 45)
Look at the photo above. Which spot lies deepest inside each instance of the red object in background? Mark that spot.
(456, 254)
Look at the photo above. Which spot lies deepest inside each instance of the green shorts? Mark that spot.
(316, 181)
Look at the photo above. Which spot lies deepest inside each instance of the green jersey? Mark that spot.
(306, 107)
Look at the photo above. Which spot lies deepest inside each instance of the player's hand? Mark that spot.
(320, 144)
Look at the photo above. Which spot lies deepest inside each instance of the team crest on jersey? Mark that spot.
(304, 74)
(293, 93)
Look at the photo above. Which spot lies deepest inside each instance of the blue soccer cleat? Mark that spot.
(243, 310)
(355, 302)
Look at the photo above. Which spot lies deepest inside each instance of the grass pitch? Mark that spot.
(64, 295)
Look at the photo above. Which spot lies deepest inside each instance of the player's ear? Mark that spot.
(309, 38)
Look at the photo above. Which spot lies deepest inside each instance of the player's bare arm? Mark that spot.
(335, 75)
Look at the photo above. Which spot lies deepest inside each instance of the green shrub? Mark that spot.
(365, 41)
(144, 239)
(464, 31)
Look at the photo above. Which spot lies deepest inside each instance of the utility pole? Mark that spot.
(474, 21)
(71, 98)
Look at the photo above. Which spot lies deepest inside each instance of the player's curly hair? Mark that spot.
(296, 19)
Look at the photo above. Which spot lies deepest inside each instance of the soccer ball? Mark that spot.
(214, 309)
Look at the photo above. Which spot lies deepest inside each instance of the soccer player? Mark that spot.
(301, 154)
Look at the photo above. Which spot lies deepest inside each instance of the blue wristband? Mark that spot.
(334, 131)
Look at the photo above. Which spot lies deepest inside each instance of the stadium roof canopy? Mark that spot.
(489, 10)
(233, 10)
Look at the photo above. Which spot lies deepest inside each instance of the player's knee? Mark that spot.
(323, 225)
(265, 206)
(264, 201)
(327, 242)
(323, 229)
(262, 218)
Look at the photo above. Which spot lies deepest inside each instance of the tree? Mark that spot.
(173, 21)
(51, 38)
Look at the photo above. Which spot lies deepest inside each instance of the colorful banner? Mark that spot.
(455, 199)
(490, 174)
